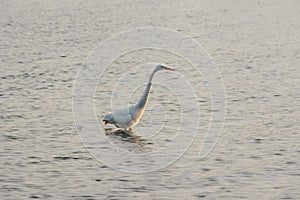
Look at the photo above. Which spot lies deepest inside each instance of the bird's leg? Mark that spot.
(128, 130)
(110, 130)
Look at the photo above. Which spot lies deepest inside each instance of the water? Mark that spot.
(254, 44)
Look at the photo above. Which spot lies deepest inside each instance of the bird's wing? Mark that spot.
(123, 116)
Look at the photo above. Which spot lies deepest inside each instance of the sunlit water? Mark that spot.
(254, 44)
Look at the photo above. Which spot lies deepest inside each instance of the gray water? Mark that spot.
(255, 45)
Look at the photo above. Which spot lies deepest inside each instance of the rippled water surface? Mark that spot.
(255, 45)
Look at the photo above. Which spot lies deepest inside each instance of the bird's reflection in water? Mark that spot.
(133, 141)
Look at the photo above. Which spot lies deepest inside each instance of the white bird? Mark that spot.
(126, 118)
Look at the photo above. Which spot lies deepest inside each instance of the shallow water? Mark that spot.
(256, 48)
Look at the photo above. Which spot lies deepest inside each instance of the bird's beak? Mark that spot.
(104, 121)
(169, 68)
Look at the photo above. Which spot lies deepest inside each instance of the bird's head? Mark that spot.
(163, 67)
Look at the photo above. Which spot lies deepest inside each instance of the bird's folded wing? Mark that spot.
(123, 116)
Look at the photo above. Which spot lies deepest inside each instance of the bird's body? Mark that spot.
(126, 118)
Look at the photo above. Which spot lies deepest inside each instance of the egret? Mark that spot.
(126, 118)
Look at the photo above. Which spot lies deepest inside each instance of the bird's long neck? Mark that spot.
(143, 101)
